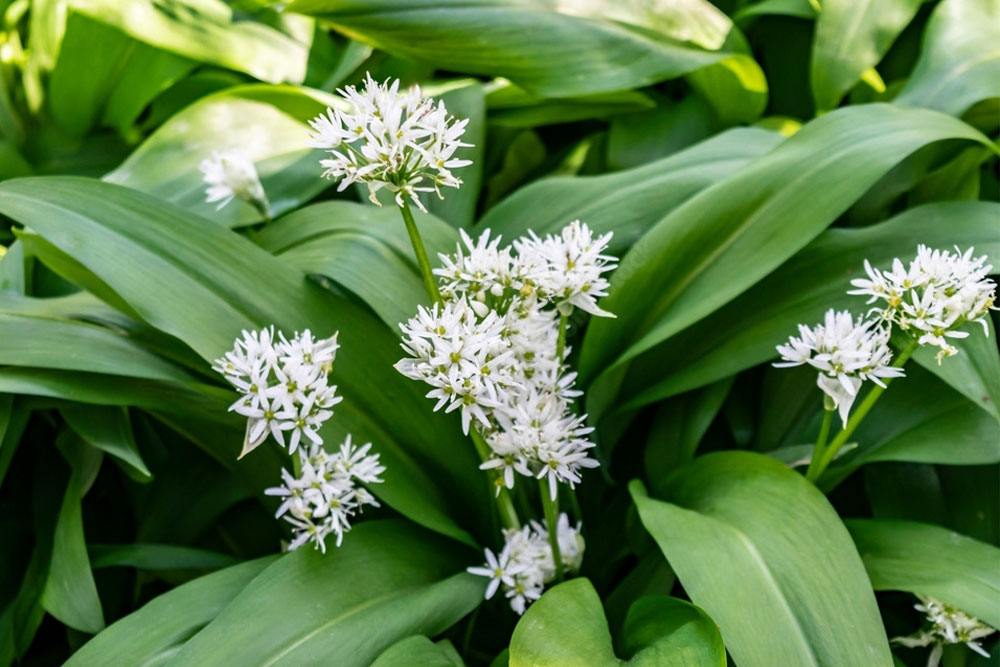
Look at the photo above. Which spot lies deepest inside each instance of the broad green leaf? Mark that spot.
(793, 586)
(959, 62)
(566, 628)
(727, 237)
(851, 37)
(166, 164)
(923, 421)
(464, 99)
(418, 650)
(930, 560)
(801, 290)
(511, 106)
(388, 580)
(362, 248)
(636, 139)
(203, 283)
(101, 71)
(209, 32)
(606, 46)
(70, 592)
(110, 430)
(12, 163)
(154, 633)
(803, 9)
(626, 202)
(156, 557)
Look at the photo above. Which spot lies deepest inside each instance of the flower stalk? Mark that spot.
(419, 252)
(550, 506)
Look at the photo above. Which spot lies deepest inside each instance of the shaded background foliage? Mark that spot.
(748, 157)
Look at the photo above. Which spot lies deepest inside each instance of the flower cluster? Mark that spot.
(525, 563)
(937, 293)
(325, 495)
(284, 385)
(845, 352)
(494, 350)
(231, 174)
(948, 625)
(390, 139)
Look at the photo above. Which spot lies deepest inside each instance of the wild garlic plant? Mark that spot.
(285, 393)
(946, 625)
(492, 344)
(927, 301)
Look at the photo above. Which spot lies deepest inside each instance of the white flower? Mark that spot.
(937, 293)
(284, 385)
(525, 563)
(463, 357)
(845, 352)
(948, 625)
(481, 267)
(326, 496)
(400, 141)
(567, 268)
(231, 174)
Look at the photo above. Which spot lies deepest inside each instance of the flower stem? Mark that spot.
(551, 507)
(561, 341)
(859, 414)
(419, 252)
(508, 515)
(824, 432)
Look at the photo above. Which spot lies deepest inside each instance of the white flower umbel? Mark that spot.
(845, 352)
(284, 385)
(324, 498)
(567, 269)
(231, 174)
(933, 296)
(525, 563)
(401, 141)
(948, 625)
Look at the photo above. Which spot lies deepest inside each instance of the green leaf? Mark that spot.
(607, 46)
(108, 429)
(203, 283)
(166, 164)
(930, 560)
(418, 650)
(851, 37)
(70, 592)
(153, 634)
(626, 202)
(209, 32)
(802, 289)
(463, 99)
(511, 106)
(388, 580)
(723, 240)
(362, 248)
(793, 587)
(156, 557)
(566, 628)
(959, 62)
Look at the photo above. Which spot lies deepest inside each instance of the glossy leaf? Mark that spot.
(930, 560)
(959, 62)
(628, 202)
(110, 430)
(607, 46)
(802, 289)
(774, 604)
(419, 650)
(203, 284)
(723, 240)
(154, 633)
(567, 628)
(166, 164)
(399, 581)
(156, 557)
(852, 37)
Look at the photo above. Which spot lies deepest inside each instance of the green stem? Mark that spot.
(824, 432)
(420, 253)
(859, 414)
(561, 341)
(551, 507)
(508, 515)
